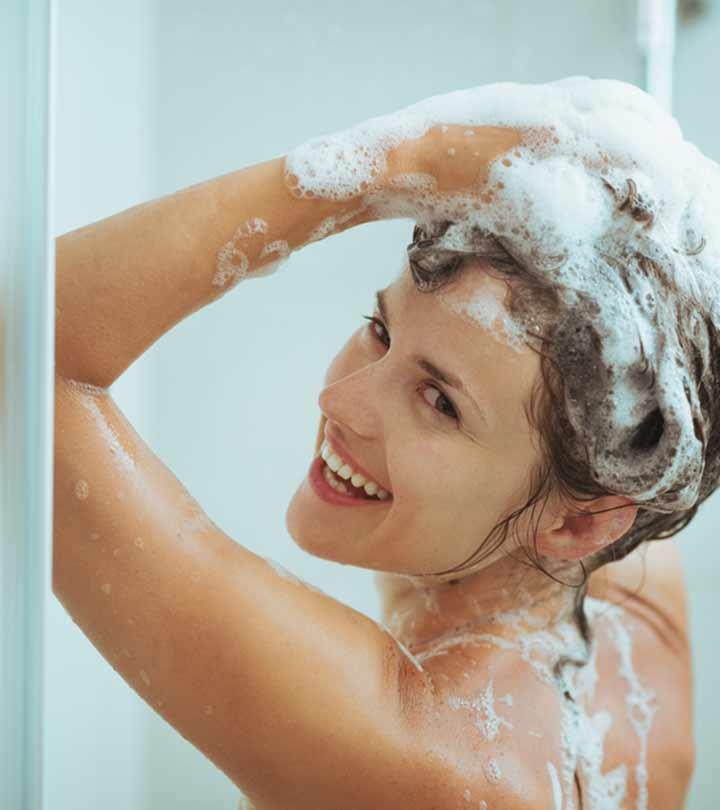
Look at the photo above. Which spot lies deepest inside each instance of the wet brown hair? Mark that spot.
(561, 471)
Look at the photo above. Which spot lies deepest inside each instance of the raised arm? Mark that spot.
(296, 697)
(267, 677)
(124, 281)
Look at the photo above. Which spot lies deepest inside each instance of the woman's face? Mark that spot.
(455, 462)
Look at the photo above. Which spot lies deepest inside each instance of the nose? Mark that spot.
(353, 402)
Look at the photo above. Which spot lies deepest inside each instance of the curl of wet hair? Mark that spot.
(561, 471)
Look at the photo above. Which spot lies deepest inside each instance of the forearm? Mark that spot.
(124, 281)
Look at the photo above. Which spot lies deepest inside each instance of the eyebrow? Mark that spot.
(427, 365)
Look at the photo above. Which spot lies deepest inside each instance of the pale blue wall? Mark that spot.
(696, 106)
(158, 95)
(104, 153)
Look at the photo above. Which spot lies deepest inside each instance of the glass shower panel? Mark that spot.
(26, 394)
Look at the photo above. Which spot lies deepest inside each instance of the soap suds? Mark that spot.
(232, 262)
(492, 771)
(582, 734)
(606, 208)
(557, 792)
(283, 572)
(414, 660)
(485, 717)
(89, 402)
(82, 490)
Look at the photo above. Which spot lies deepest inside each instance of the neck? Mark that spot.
(507, 595)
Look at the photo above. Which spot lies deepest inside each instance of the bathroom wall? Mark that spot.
(696, 107)
(104, 157)
(159, 95)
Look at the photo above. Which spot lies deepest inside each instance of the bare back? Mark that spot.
(512, 739)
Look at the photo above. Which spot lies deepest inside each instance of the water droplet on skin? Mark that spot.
(145, 678)
(82, 490)
(139, 542)
(106, 588)
(492, 771)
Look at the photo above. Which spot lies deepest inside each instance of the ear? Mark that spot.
(575, 535)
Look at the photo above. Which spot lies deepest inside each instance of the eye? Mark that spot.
(447, 408)
(376, 323)
(381, 334)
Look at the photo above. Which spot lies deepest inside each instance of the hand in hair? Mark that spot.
(457, 157)
(447, 160)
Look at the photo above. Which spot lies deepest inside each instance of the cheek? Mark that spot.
(452, 485)
(426, 473)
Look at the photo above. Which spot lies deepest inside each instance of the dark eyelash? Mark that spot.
(376, 321)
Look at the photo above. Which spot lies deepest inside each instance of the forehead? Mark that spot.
(466, 328)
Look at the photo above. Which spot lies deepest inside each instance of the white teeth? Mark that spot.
(336, 464)
(335, 484)
(371, 488)
(333, 462)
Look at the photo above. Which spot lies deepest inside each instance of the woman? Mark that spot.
(490, 684)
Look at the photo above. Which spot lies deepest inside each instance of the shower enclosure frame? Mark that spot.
(27, 325)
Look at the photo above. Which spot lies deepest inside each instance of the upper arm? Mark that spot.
(292, 694)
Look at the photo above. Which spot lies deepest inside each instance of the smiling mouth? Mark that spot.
(356, 485)
(341, 475)
(347, 488)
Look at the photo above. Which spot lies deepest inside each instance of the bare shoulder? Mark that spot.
(650, 583)
(644, 676)
(494, 730)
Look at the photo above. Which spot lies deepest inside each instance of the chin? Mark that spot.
(323, 539)
(303, 526)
